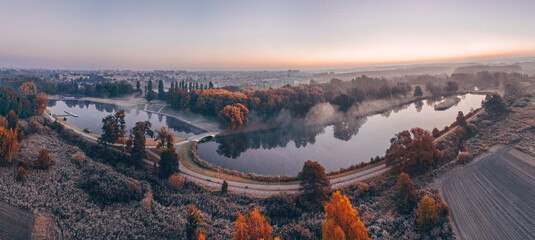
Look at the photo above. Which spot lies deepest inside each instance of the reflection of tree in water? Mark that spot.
(398, 108)
(149, 115)
(419, 105)
(348, 128)
(52, 103)
(386, 113)
(160, 117)
(71, 103)
(180, 126)
(232, 146)
(105, 107)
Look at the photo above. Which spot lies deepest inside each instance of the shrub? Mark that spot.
(106, 187)
(442, 209)
(21, 174)
(43, 160)
(176, 181)
(79, 158)
(224, 187)
(295, 231)
(361, 188)
(463, 157)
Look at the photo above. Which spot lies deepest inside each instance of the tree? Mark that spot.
(43, 160)
(418, 91)
(194, 224)
(161, 92)
(28, 88)
(413, 151)
(138, 133)
(435, 132)
(405, 195)
(151, 95)
(165, 138)
(39, 103)
(426, 215)
(461, 120)
(234, 115)
(224, 187)
(138, 86)
(168, 163)
(494, 103)
(12, 119)
(342, 220)
(210, 84)
(451, 87)
(315, 183)
(9, 144)
(21, 174)
(254, 227)
(113, 128)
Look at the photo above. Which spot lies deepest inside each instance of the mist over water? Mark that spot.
(334, 139)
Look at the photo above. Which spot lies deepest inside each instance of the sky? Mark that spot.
(250, 34)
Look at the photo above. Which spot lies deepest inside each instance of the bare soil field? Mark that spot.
(15, 223)
(493, 198)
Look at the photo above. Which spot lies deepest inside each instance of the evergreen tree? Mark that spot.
(161, 92)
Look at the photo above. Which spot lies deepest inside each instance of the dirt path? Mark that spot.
(493, 198)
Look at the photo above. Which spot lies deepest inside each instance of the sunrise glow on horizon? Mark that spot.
(259, 34)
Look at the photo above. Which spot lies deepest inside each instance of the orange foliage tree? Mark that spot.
(254, 227)
(413, 151)
(43, 160)
(426, 214)
(234, 115)
(9, 145)
(28, 88)
(342, 220)
(3, 122)
(194, 227)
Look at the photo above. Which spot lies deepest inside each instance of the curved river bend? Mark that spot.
(282, 151)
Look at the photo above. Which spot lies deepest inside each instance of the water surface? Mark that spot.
(282, 151)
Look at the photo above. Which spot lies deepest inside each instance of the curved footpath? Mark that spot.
(260, 189)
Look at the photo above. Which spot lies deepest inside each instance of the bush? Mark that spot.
(463, 157)
(106, 187)
(442, 209)
(176, 181)
(43, 160)
(21, 174)
(79, 158)
(295, 231)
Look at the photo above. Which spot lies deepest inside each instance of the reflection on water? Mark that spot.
(91, 114)
(283, 150)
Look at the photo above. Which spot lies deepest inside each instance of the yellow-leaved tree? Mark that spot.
(342, 220)
(254, 227)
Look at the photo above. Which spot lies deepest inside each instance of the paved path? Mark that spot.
(265, 189)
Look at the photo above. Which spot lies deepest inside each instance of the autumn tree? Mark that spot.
(194, 223)
(436, 132)
(9, 144)
(28, 88)
(39, 103)
(113, 128)
(43, 160)
(418, 91)
(494, 103)
(137, 141)
(3, 122)
(314, 183)
(234, 115)
(165, 138)
(12, 119)
(224, 187)
(413, 151)
(426, 215)
(253, 227)
(405, 195)
(342, 220)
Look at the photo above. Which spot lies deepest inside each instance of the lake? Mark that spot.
(283, 150)
(91, 115)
